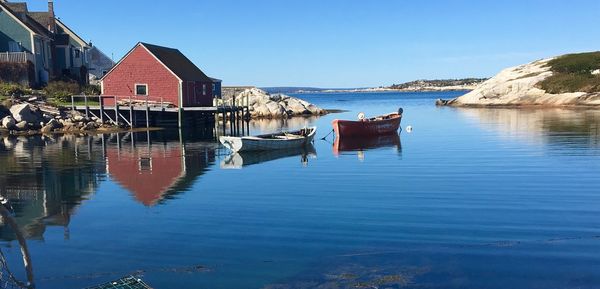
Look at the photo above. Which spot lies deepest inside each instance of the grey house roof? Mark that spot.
(19, 11)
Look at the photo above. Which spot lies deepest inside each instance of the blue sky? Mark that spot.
(340, 43)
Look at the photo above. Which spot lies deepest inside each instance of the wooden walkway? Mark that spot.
(155, 112)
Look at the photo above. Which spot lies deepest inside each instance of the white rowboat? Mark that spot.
(277, 141)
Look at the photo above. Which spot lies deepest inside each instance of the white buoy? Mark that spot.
(409, 129)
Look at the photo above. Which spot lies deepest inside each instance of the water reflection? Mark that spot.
(558, 127)
(153, 171)
(277, 125)
(45, 179)
(362, 144)
(244, 159)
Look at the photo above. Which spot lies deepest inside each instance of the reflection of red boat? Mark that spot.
(384, 124)
(344, 144)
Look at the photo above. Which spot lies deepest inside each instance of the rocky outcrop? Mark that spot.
(264, 105)
(27, 118)
(25, 112)
(519, 86)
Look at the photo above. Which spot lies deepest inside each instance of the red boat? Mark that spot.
(384, 124)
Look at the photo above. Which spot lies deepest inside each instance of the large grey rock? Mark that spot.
(24, 112)
(315, 109)
(22, 125)
(261, 111)
(276, 109)
(519, 86)
(264, 105)
(9, 123)
(296, 107)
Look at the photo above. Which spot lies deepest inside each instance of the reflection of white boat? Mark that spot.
(243, 159)
(277, 141)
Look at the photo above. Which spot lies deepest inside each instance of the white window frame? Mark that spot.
(135, 86)
(204, 89)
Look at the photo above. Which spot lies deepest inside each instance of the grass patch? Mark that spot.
(67, 103)
(573, 73)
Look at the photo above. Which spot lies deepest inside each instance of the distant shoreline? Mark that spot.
(376, 90)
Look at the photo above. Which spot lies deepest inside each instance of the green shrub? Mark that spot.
(9, 89)
(91, 89)
(581, 63)
(572, 73)
(61, 90)
(571, 82)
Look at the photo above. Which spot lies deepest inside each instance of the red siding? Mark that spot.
(140, 67)
(195, 95)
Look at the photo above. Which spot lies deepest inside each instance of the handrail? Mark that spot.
(126, 100)
(16, 57)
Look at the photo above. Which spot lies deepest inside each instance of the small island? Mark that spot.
(567, 80)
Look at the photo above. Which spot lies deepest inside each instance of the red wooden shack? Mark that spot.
(158, 74)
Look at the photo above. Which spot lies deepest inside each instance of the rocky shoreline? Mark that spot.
(25, 118)
(30, 116)
(521, 86)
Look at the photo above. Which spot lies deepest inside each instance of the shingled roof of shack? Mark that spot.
(178, 63)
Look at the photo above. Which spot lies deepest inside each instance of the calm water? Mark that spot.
(472, 198)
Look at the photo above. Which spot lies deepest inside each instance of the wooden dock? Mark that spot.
(156, 113)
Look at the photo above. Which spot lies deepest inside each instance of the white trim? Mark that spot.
(73, 35)
(32, 43)
(180, 104)
(141, 84)
(18, 20)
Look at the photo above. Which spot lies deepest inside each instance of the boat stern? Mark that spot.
(232, 143)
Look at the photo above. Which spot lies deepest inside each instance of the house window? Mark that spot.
(204, 89)
(77, 53)
(141, 89)
(14, 46)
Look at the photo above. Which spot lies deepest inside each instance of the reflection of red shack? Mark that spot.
(148, 175)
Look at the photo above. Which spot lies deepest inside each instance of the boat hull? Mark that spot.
(367, 128)
(242, 144)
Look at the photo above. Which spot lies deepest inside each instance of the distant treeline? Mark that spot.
(438, 83)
